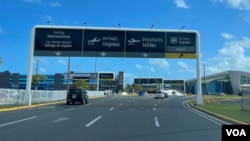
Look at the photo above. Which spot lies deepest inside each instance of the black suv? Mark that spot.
(77, 95)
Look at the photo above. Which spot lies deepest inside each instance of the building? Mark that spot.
(18, 81)
(227, 82)
(60, 81)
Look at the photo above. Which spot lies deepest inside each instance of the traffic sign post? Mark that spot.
(114, 42)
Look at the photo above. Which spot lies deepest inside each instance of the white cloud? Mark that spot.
(48, 18)
(245, 16)
(129, 78)
(63, 62)
(151, 69)
(34, 1)
(55, 4)
(42, 70)
(236, 4)
(52, 4)
(159, 62)
(1, 30)
(185, 66)
(138, 66)
(231, 57)
(227, 35)
(181, 3)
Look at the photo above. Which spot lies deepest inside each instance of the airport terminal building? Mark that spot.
(227, 82)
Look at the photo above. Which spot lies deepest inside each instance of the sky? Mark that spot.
(223, 26)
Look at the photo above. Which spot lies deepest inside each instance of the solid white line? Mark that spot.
(156, 122)
(21, 120)
(204, 115)
(111, 108)
(93, 121)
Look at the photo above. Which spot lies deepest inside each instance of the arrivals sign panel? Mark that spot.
(105, 42)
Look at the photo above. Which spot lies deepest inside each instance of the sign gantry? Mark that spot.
(114, 42)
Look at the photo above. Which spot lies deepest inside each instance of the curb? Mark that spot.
(39, 105)
(233, 121)
(32, 106)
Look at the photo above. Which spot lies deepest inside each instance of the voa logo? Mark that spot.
(236, 132)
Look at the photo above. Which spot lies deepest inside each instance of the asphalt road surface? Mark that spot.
(111, 118)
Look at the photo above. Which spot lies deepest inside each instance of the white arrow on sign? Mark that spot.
(103, 54)
(58, 53)
(145, 55)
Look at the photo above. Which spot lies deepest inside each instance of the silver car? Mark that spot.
(159, 94)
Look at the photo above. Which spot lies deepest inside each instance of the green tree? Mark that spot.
(137, 87)
(36, 79)
(81, 84)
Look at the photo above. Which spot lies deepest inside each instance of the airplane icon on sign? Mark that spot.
(132, 40)
(94, 40)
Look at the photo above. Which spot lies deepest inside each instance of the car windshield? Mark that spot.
(76, 91)
(124, 70)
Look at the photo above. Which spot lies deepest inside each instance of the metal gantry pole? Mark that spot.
(30, 66)
(199, 100)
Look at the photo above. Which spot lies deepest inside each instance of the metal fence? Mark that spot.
(245, 100)
(17, 96)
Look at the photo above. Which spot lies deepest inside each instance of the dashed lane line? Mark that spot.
(17, 121)
(93, 121)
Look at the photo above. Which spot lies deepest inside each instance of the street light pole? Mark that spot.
(68, 75)
(37, 61)
(204, 79)
(1, 61)
(95, 77)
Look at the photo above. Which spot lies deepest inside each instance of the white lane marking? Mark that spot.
(154, 109)
(121, 104)
(155, 104)
(60, 119)
(204, 115)
(156, 122)
(111, 108)
(21, 120)
(93, 121)
(69, 109)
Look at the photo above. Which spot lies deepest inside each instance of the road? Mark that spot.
(111, 118)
